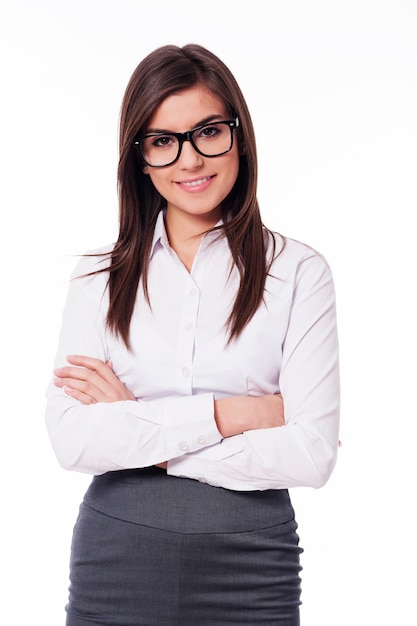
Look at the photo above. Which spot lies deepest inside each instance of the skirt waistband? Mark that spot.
(150, 497)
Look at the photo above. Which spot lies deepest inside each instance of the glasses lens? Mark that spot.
(213, 139)
(159, 150)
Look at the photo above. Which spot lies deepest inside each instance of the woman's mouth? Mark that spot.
(197, 184)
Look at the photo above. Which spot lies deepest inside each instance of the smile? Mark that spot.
(195, 183)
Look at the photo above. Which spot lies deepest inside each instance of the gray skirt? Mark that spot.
(154, 550)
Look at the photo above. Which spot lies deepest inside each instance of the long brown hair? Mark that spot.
(166, 71)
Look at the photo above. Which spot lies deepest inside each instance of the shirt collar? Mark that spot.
(160, 234)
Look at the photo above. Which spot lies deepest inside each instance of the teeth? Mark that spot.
(194, 183)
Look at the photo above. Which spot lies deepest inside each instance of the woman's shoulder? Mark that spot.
(93, 262)
(289, 253)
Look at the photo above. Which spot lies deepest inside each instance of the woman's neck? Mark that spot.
(185, 232)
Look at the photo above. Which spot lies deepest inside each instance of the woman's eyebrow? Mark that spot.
(206, 120)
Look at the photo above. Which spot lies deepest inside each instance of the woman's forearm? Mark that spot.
(242, 413)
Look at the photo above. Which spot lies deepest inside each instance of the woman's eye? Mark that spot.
(163, 141)
(209, 132)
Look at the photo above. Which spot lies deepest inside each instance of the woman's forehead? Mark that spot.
(186, 109)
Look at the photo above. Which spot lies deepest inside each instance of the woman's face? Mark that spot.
(194, 186)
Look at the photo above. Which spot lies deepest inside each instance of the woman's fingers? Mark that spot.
(91, 380)
(79, 383)
(102, 368)
(79, 395)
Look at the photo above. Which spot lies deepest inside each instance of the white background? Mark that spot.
(332, 87)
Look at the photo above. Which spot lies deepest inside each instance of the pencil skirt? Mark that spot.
(150, 549)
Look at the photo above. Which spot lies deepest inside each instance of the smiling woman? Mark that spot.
(203, 381)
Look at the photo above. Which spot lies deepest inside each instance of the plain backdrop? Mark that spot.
(332, 87)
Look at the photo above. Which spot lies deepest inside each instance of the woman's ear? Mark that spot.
(145, 169)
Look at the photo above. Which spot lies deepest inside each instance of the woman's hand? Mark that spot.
(238, 414)
(90, 380)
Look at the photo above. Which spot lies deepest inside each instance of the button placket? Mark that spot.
(186, 337)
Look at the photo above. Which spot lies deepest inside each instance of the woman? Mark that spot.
(197, 372)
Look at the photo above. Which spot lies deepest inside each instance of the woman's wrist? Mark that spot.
(229, 414)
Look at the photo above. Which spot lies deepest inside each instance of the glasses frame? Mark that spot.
(187, 136)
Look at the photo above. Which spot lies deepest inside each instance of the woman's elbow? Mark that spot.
(321, 467)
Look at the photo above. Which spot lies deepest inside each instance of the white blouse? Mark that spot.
(179, 363)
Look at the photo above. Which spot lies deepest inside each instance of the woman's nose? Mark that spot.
(189, 157)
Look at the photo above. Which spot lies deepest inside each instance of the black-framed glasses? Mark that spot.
(209, 140)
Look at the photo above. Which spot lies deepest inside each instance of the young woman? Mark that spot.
(197, 372)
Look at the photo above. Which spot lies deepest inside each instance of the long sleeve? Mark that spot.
(111, 436)
(180, 363)
(304, 451)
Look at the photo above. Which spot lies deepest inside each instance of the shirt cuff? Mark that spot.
(188, 422)
(205, 465)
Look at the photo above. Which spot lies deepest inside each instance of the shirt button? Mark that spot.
(184, 446)
(193, 291)
(188, 327)
(201, 439)
(185, 371)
